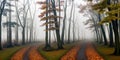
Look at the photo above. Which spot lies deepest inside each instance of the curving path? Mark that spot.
(28, 53)
(84, 51)
(19, 55)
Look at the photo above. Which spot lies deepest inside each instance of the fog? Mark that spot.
(39, 30)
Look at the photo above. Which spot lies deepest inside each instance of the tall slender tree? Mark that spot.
(64, 23)
(2, 6)
(69, 28)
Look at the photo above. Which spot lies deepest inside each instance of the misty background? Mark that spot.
(39, 30)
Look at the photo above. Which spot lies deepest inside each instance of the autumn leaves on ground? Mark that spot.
(70, 52)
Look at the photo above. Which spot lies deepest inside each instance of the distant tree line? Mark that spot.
(24, 18)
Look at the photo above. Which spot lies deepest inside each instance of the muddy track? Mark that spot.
(28, 53)
(83, 51)
(81, 54)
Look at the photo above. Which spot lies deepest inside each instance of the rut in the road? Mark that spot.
(81, 54)
(19, 55)
(28, 53)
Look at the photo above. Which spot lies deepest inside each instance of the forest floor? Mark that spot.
(74, 51)
(106, 52)
(6, 53)
(56, 54)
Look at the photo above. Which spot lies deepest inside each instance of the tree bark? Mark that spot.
(10, 29)
(117, 42)
(64, 21)
(59, 42)
(69, 28)
(74, 25)
(47, 46)
(1, 12)
(23, 36)
(111, 35)
(103, 31)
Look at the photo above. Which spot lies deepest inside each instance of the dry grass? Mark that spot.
(55, 54)
(8, 52)
(106, 52)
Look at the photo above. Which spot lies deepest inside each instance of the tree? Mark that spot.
(59, 42)
(64, 21)
(112, 17)
(13, 24)
(69, 28)
(9, 44)
(2, 6)
(32, 17)
(103, 32)
(51, 19)
(17, 33)
(24, 12)
(74, 25)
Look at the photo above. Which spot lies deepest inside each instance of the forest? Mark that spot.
(59, 30)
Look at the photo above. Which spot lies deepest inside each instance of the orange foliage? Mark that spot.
(43, 6)
(19, 55)
(41, 15)
(50, 17)
(72, 54)
(34, 54)
(49, 11)
(51, 28)
(50, 22)
(92, 54)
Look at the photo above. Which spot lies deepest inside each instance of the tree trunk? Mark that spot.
(103, 31)
(27, 31)
(49, 38)
(111, 35)
(16, 34)
(100, 36)
(1, 12)
(47, 46)
(64, 21)
(78, 34)
(59, 42)
(31, 32)
(96, 30)
(10, 29)
(69, 28)
(30, 35)
(23, 36)
(117, 42)
(0, 33)
(74, 26)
